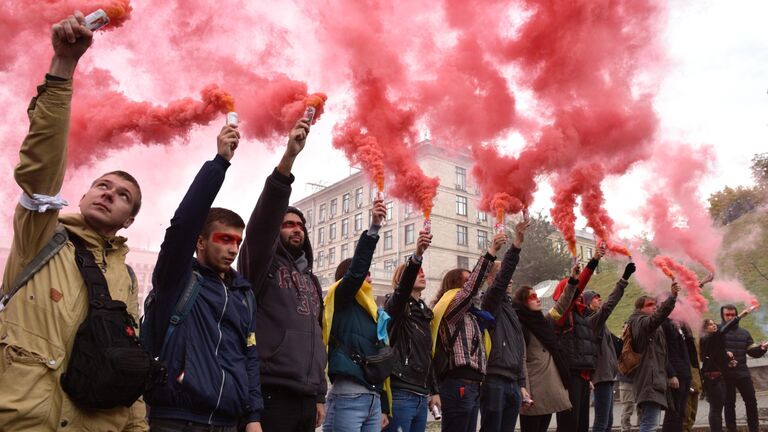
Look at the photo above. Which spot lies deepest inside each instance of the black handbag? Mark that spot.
(376, 368)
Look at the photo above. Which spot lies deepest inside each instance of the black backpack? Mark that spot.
(108, 367)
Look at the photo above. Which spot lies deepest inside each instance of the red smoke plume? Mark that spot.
(687, 279)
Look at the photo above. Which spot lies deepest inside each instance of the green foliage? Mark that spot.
(539, 260)
(729, 204)
(759, 169)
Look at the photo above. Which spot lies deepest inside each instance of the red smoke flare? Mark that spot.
(316, 100)
(686, 277)
(106, 120)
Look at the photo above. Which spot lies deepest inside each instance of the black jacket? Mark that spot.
(507, 356)
(410, 335)
(740, 343)
(289, 332)
(678, 359)
(712, 347)
(579, 342)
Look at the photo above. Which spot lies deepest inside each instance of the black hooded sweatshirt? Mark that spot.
(289, 297)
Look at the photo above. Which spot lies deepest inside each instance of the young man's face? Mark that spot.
(292, 232)
(595, 303)
(108, 204)
(219, 249)
(649, 307)
(729, 314)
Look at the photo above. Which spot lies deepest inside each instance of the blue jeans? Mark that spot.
(461, 402)
(603, 395)
(500, 401)
(648, 416)
(409, 412)
(357, 412)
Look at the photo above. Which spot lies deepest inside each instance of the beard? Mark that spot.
(294, 250)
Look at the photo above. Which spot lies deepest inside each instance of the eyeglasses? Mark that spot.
(533, 296)
(292, 224)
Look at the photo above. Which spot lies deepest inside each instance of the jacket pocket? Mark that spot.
(291, 358)
(28, 383)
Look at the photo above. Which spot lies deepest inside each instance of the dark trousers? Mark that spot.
(715, 391)
(747, 392)
(575, 419)
(500, 402)
(673, 415)
(287, 412)
(461, 402)
(603, 395)
(539, 423)
(168, 425)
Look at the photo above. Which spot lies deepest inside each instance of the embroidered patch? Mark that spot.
(251, 341)
(56, 295)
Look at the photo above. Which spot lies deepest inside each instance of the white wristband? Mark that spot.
(42, 203)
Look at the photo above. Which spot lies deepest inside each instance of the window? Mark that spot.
(390, 210)
(332, 256)
(482, 239)
(321, 236)
(389, 265)
(332, 232)
(344, 252)
(461, 235)
(461, 178)
(309, 218)
(482, 216)
(320, 258)
(358, 197)
(589, 252)
(409, 234)
(321, 213)
(358, 222)
(345, 203)
(408, 208)
(345, 228)
(461, 205)
(334, 205)
(388, 240)
(581, 252)
(462, 262)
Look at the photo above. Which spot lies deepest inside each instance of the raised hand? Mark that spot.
(227, 141)
(70, 39)
(422, 244)
(297, 138)
(675, 288)
(379, 212)
(520, 229)
(498, 242)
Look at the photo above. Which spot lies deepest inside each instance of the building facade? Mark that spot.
(338, 214)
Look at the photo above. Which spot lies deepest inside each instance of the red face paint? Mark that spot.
(292, 225)
(226, 238)
(533, 296)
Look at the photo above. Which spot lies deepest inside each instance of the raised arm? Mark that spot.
(43, 154)
(175, 258)
(263, 229)
(396, 303)
(463, 299)
(561, 307)
(598, 319)
(361, 261)
(648, 324)
(493, 297)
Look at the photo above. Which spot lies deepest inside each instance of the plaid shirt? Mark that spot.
(468, 349)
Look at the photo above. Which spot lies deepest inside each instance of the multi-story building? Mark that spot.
(339, 213)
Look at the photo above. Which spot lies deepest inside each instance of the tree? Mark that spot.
(544, 254)
(729, 204)
(759, 169)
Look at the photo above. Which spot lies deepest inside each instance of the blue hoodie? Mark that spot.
(213, 364)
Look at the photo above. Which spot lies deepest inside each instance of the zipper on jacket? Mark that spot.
(216, 352)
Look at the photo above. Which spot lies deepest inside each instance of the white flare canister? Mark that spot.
(96, 20)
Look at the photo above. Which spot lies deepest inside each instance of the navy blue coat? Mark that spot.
(213, 363)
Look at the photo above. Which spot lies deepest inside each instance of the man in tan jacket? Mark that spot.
(38, 324)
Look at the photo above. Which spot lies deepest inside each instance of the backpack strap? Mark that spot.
(98, 289)
(183, 307)
(54, 245)
(132, 276)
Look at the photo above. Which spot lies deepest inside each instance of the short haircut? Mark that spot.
(224, 217)
(131, 179)
(640, 302)
(341, 270)
(730, 307)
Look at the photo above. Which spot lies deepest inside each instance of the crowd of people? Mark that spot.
(255, 348)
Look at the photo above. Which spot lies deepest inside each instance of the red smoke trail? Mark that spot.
(104, 120)
(505, 203)
(732, 291)
(687, 278)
